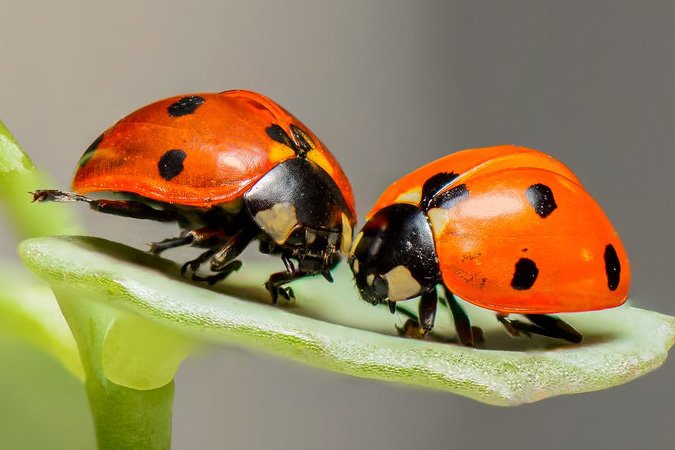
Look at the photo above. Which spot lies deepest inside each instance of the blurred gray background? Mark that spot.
(388, 86)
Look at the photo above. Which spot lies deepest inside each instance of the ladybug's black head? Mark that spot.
(394, 257)
(303, 212)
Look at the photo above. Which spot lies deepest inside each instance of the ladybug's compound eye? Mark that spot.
(394, 257)
(381, 287)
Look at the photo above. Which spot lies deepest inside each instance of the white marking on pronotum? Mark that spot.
(414, 197)
(438, 218)
(346, 243)
(356, 241)
(279, 221)
(401, 284)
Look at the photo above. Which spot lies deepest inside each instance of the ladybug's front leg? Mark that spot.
(125, 208)
(427, 316)
(307, 266)
(275, 283)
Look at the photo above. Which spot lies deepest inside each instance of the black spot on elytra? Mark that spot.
(612, 267)
(304, 142)
(301, 142)
(525, 274)
(86, 156)
(276, 133)
(447, 199)
(171, 164)
(433, 185)
(186, 105)
(541, 198)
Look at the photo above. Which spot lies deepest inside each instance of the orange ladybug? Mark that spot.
(229, 167)
(506, 228)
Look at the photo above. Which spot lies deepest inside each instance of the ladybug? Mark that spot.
(505, 228)
(229, 168)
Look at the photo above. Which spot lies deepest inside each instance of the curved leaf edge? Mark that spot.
(620, 345)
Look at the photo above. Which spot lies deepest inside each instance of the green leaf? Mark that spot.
(12, 156)
(28, 310)
(138, 353)
(27, 306)
(18, 176)
(42, 405)
(619, 345)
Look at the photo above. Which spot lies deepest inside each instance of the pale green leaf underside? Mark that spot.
(28, 310)
(619, 345)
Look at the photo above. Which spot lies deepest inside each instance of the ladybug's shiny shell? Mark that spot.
(506, 228)
(200, 149)
(515, 231)
(229, 168)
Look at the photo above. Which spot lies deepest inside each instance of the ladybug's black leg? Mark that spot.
(276, 281)
(555, 327)
(233, 248)
(467, 334)
(288, 264)
(205, 237)
(157, 248)
(515, 327)
(541, 324)
(306, 267)
(194, 264)
(223, 273)
(222, 259)
(427, 317)
(126, 208)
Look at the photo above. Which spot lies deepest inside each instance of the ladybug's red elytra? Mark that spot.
(229, 167)
(506, 228)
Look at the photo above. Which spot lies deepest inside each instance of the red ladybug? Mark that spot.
(506, 228)
(229, 167)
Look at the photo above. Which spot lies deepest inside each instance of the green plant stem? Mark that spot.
(128, 418)
(124, 418)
